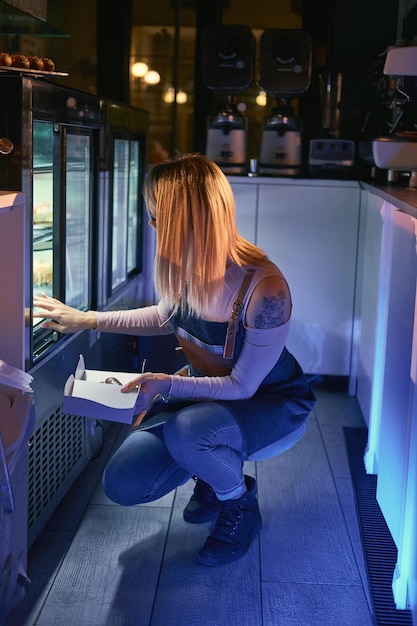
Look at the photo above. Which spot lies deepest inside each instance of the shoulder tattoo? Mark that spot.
(272, 313)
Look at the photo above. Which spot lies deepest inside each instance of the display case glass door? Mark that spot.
(78, 220)
(45, 226)
(133, 205)
(62, 213)
(43, 206)
(126, 216)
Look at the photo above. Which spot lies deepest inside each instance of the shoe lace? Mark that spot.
(229, 517)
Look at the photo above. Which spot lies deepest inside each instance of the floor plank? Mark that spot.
(333, 412)
(195, 594)
(289, 604)
(44, 561)
(304, 537)
(111, 570)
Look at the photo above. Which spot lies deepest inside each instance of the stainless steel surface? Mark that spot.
(330, 91)
(281, 145)
(227, 141)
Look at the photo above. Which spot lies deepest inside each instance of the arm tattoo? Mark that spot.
(272, 313)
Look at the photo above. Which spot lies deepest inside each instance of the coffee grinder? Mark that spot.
(284, 73)
(228, 69)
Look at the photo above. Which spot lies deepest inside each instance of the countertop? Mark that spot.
(292, 181)
(399, 195)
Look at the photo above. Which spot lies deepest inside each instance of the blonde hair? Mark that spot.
(196, 231)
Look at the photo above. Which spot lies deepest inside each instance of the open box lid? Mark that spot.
(86, 394)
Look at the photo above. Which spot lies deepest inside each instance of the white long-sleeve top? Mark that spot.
(261, 348)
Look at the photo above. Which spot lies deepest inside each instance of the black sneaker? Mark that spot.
(203, 505)
(238, 523)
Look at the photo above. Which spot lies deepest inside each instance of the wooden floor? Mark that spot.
(100, 564)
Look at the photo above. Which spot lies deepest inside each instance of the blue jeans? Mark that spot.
(201, 439)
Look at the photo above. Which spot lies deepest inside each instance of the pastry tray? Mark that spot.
(22, 70)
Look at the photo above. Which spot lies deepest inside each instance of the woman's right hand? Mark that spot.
(58, 316)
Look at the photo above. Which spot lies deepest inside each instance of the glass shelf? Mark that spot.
(13, 21)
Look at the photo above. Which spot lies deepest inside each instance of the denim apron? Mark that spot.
(281, 404)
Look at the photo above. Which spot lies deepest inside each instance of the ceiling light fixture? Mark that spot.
(139, 69)
(152, 77)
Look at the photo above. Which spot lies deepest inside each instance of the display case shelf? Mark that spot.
(13, 21)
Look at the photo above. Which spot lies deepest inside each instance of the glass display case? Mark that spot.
(80, 162)
(77, 215)
(55, 134)
(125, 133)
(66, 276)
(126, 219)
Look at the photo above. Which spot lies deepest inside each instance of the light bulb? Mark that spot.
(181, 97)
(169, 95)
(152, 77)
(261, 99)
(139, 69)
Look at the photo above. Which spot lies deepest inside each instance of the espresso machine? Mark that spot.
(394, 148)
(228, 69)
(284, 73)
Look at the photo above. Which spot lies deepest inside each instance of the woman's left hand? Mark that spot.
(150, 386)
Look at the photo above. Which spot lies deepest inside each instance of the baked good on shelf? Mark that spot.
(42, 273)
(5, 59)
(20, 60)
(42, 213)
(25, 62)
(36, 63)
(48, 65)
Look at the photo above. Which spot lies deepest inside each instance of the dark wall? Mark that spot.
(207, 14)
(352, 33)
(113, 49)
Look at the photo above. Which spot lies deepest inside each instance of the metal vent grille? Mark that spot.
(379, 548)
(56, 451)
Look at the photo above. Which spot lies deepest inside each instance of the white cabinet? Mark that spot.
(405, 574)
(391, 451)
(309, 229)
(371, 272)
(246, 198)
(311, 233)
(396, 485)
(387, 374)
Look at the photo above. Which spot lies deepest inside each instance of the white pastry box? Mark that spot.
(86, 394)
